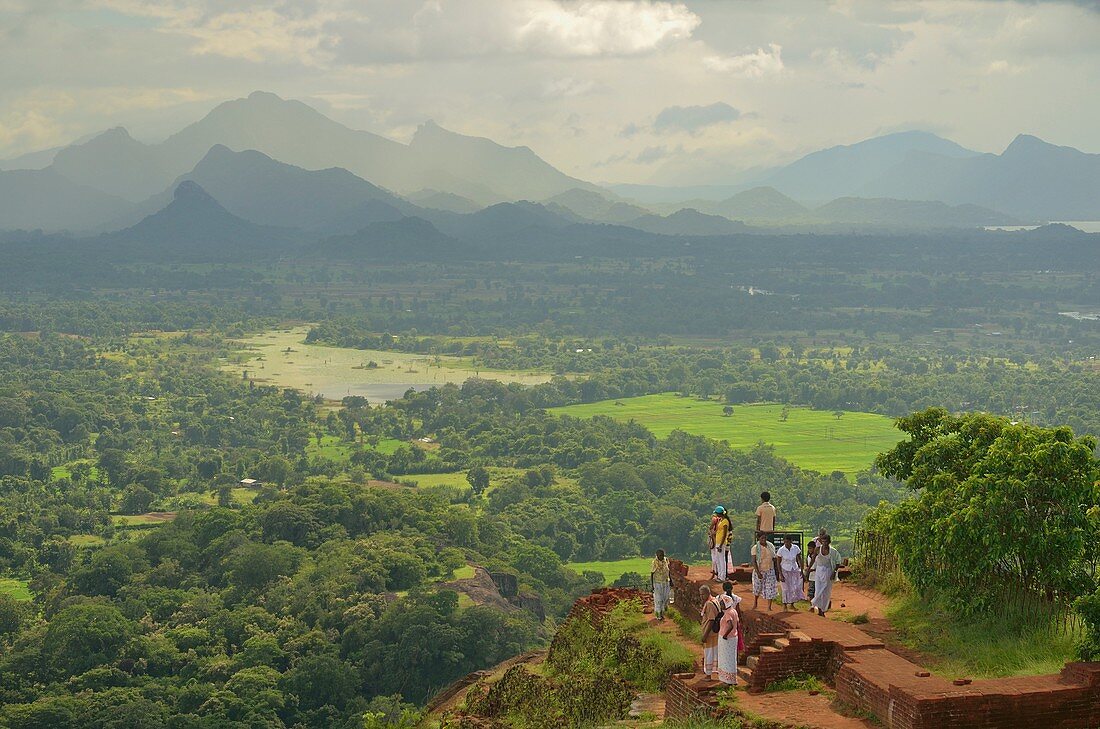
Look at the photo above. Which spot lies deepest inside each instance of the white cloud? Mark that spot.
(562, 29)
(751, 65)
(600, 27)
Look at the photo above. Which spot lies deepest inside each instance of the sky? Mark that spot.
(641, 91)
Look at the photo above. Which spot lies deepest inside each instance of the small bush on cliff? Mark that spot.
(621, 644)
(547, 703)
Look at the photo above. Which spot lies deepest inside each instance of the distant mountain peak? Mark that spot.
(1029, 144)
(1023, 141)
(188, 190)
(118, 132)
(264, 96)
(216, 153)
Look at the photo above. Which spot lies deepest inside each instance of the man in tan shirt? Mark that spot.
(765, 514)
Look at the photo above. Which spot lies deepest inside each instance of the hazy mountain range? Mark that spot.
(281, 164)
(1031, 179)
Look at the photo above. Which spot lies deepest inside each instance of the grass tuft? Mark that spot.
(804, 682)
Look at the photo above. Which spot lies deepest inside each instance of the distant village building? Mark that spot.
(250, 483)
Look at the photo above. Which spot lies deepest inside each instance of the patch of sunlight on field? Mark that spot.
(282, 358)
(812, 439)
(465, 572)
(15, 588)
(458, 478)
(81, 541)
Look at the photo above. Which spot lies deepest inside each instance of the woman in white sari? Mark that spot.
(728, 637)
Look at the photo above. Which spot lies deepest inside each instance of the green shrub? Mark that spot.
(1088, 607)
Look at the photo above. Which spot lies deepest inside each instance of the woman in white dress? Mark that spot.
(823, 566)
(728, 636)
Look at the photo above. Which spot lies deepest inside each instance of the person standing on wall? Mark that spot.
(790, 572)
(765, 571)
(659, 583)
(824, 566)
(765, 515)
(711, 531)
(721, 540)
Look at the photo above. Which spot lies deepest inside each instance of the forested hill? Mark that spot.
(319, 596)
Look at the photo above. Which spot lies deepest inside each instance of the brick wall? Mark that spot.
(885, 685)
(760, 629)
(813, 657)
(686, 698)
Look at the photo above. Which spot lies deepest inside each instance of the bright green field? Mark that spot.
(458, 478)
(83, 541)
(812, 439)
(614, 569)
(15, 589)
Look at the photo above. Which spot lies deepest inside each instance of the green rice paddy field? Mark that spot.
(614, 569)
(812, 439)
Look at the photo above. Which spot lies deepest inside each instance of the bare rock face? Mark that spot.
(506, 583)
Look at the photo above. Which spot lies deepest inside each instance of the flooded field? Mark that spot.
(282, 358)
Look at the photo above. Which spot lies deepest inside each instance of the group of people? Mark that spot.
(806, 576)
(771, 567)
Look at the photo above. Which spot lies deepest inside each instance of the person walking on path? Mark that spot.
(659, 583)
(720, 543)
(765, 571)
(765, 514)
(728, 641)
(790, 572)
(824, 565)
(710, 620)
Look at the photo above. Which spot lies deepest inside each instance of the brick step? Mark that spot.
(781, 643)
(762, 639)
(744, 675)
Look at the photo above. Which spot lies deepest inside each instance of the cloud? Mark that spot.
(750, 65)
(693, 118)
(599, 28)
(567, 87)
(363, 33)
(649, 155)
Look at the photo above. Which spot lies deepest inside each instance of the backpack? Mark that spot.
(716, 622)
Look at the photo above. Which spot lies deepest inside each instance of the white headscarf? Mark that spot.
(728, 601)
